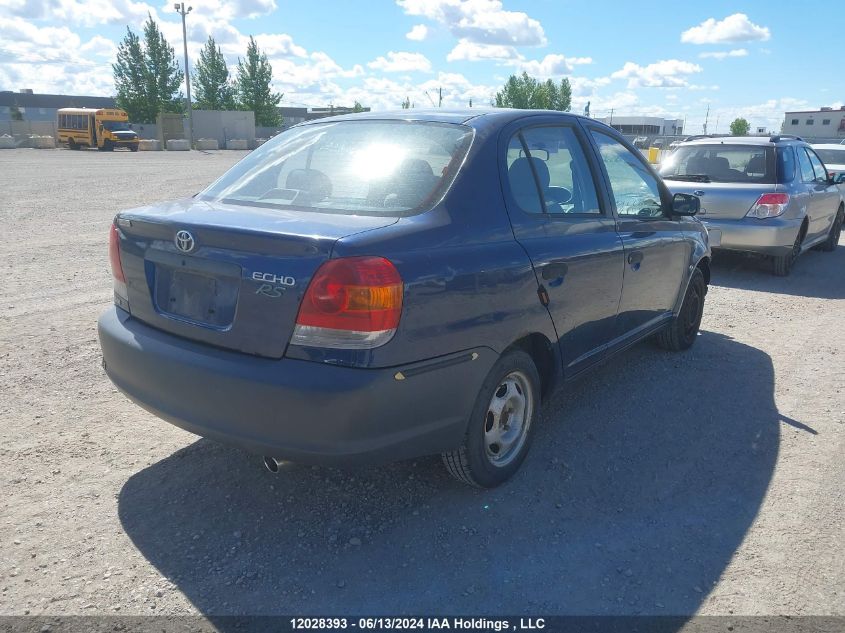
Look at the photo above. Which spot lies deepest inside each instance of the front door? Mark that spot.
(568, 232)
(656, 252)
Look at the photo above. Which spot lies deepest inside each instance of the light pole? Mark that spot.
(180, 8)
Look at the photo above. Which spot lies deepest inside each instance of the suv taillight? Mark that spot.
(769, 205)
(121, 297)
(351, 303)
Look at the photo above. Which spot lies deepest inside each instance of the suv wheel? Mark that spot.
(782, 264)
(681, 332)
(835, 231)
(500, 427)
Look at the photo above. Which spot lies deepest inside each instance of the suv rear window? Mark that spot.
(831, 156)
(351, 167)
(720, 163)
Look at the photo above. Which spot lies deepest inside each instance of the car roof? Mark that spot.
(475, 117)
(741, 140)
(838, 146)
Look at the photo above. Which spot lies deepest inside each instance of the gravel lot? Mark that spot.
(710, 482)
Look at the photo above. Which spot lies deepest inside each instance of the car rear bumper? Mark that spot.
(293, 409)
(771, 236)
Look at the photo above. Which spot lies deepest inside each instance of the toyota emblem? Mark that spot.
(185, 241)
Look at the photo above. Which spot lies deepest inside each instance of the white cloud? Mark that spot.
(417, 33)
(401, 62)
(466, 50)
(668, 73)
(734, 28)
(553, 65)
(737, 52)
(479, 21)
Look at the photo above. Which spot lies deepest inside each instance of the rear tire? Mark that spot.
(829, 245)
(133, 148)
(501, 424)
(782, 264)
(682, 330)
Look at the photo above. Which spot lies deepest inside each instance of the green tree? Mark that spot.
(740, 127)
(164, 76)
(130, 80)
(15, 113)
(253, 86)
(147, 76)
(212, 87)
(406, 104)
(526, 92)
(357, 107)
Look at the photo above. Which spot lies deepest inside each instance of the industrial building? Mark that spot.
(645, 125)
(824, 123)
(25, 105)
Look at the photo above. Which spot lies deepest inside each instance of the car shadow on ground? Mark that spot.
(815, 274)
(642, 482)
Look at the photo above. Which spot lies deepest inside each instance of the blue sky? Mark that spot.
(741, 58)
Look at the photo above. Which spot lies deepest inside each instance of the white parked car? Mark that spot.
(833, 157)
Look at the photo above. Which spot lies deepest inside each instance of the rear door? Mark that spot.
(825, 198)
(656, 252)
(564, 225)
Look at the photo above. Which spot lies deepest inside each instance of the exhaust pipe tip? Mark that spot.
(272, 464)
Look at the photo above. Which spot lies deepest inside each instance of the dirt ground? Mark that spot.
(711, 481)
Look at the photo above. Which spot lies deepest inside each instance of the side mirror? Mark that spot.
(685, 204)
(839, 179)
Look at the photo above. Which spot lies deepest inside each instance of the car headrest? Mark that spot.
(521, 170)
(312, 181)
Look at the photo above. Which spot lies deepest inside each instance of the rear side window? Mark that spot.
(832, 156)
(721, 163)
(818, 167)
(786, 164)
(352, 167)
(551, 158)
(805, 166)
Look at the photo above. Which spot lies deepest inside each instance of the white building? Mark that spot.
(823, 123)
(645, 125)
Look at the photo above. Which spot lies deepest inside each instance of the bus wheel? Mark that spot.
(72, 144)
(106, 147)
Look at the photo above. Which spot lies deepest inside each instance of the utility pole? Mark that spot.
(716, 129)
(706, 118)
(611, 118)
(440, 97)
(180, 8)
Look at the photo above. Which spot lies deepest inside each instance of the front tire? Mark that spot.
(829, 245)
(682, 330)
(501, 424)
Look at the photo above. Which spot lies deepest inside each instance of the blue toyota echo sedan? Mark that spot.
(389, 285)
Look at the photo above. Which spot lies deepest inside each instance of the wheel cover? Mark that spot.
(508, 418)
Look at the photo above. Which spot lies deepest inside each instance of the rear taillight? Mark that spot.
(351, 303)
(121, 297)
(769, 205)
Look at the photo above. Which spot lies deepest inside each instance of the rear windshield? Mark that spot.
(352, 167)
(720, 163)
(831, 156)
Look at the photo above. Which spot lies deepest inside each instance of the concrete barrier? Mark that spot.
(237, 143)
(7, 142)
(178, 145)
(207, 143)
(258, 142)
(149, 145)
(42, 142)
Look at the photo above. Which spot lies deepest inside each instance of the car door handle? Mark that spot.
(635, 258)
(555, 270)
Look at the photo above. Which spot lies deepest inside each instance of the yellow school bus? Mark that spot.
(104, 129)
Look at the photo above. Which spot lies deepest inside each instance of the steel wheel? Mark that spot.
(508, 418)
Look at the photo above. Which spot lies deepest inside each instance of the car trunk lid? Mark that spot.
(239, 276)
(722, 201)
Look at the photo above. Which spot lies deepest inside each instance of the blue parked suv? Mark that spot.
(389, 285)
